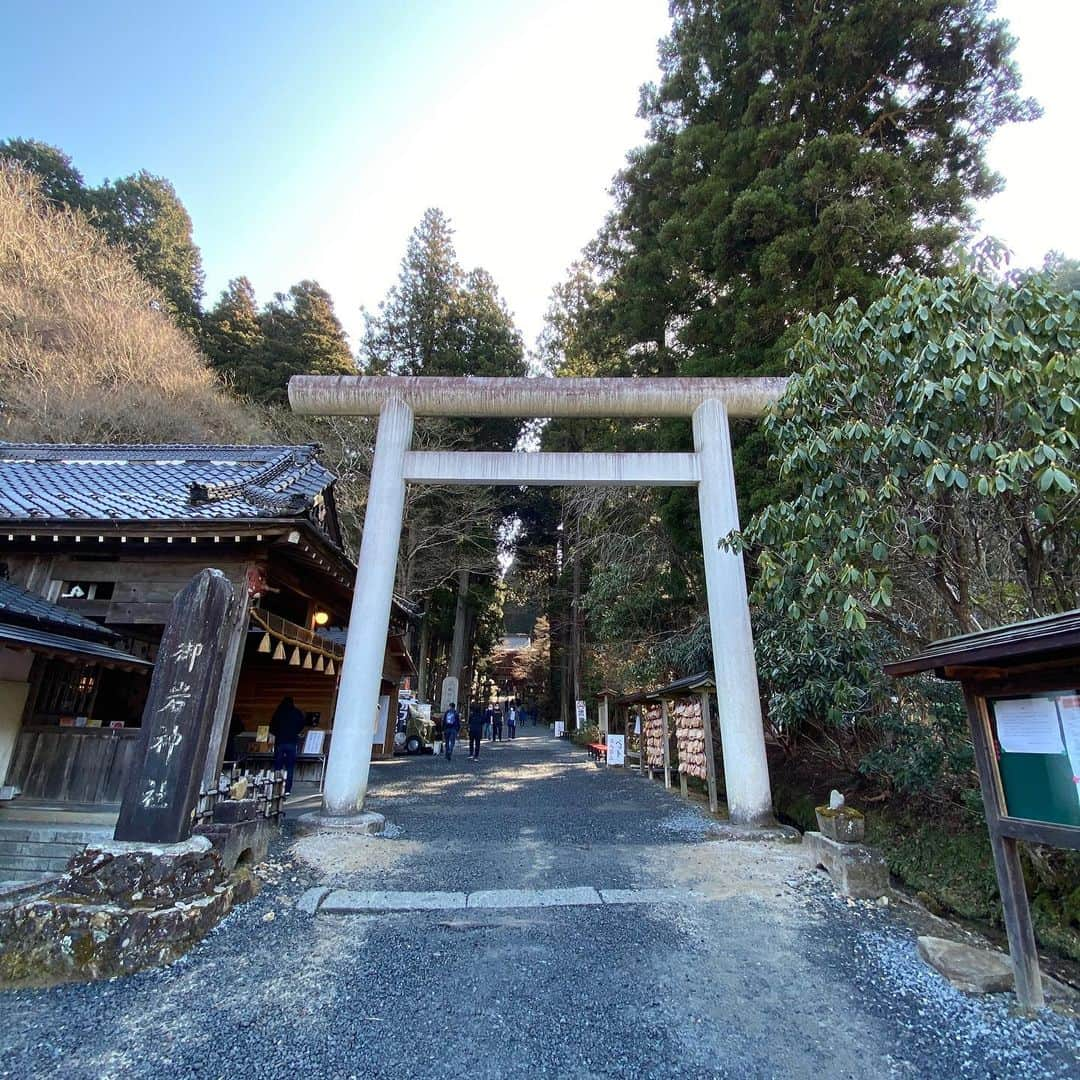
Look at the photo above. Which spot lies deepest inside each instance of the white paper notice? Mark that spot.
(1069, 707)
(1028, 726)
(560, 727)
(616, 750)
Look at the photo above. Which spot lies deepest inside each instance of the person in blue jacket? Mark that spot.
(451, 725)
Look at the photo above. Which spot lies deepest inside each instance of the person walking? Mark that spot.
(493, 717)
(511, 721)
(286, 725)
(476, 731)
(451, 725)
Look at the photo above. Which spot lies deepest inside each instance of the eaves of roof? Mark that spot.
(44, 641)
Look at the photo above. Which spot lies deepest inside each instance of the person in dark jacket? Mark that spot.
(476, 731)
(286, 725)
(493, 716)
(451, 725)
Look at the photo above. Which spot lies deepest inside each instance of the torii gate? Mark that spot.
(397, 399)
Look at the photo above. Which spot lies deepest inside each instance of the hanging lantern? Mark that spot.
(330, 668)
(307, 661)
(279, 652)
(294, 660)
(320, 664)
(264, 645)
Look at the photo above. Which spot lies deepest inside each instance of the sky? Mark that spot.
(306, 140)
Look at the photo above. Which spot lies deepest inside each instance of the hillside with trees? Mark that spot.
(88, 352)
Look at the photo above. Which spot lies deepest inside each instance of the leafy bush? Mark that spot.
(934, 440)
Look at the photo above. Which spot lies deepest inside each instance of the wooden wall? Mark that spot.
(264, 682)
(78, 765)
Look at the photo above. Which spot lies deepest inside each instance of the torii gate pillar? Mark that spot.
(707, 402)
(361, 671)
(746, 772)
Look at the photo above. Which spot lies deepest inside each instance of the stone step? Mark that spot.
(11, 877)
(41, 863)
(36, 847)
(54, 835)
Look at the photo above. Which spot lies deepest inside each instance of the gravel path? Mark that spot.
(771, 976)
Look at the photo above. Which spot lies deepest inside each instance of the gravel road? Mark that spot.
(770, 975)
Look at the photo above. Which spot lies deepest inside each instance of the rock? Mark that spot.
(269, 916)
(975, 971)
(836, 800)
(129, 872)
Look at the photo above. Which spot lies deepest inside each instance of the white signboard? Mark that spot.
(616, 750)
(313, 742)
(580, 714)
(560, 727)
(1028, 726)
(380, 720)
(1069, 707)
(449, 695)
(424, 711)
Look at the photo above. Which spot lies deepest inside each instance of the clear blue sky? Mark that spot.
(306, 140)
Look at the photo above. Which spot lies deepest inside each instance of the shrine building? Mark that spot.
(95, 541)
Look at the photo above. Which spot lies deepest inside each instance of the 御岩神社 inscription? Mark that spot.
(179, 713)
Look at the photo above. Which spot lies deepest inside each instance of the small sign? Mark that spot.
(580, 714)
(1069, 707)
(262, 733)
(616, 750)
(560, 729)
(313, 742)
(449, 695)
(382, 714)
(1028, 726)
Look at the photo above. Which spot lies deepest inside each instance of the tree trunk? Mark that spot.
(576, 631)
(422, 661)
(457, 655)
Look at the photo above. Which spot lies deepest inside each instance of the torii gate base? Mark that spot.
(708, 402)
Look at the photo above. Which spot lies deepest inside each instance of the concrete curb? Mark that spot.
(324, 900)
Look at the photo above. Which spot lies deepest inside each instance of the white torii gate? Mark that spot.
(397, 399)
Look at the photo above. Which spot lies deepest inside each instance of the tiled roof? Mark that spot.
(25, 608)
(62, 482)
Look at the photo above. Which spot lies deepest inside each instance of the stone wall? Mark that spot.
(118, 909)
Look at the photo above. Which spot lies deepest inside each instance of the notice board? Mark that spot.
(1037, 739)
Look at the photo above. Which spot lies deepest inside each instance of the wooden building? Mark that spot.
(108, 535)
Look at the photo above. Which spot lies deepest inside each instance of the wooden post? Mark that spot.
(1010, 876)
(710, 759)
(667, 746)
(684, 790)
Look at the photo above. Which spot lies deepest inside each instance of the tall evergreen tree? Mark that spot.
(796, 152)
(231, 334)
(301, 334)
(414, 331)
(439, 320)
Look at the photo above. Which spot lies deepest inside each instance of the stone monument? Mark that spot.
(162, 792)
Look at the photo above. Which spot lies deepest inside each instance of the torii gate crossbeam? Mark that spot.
(706, 402)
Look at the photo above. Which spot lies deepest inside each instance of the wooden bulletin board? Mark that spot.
(1037, 745)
